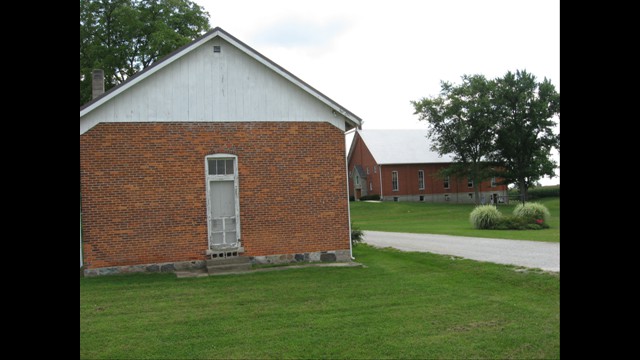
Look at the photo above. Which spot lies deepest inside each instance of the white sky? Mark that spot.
(373, 57)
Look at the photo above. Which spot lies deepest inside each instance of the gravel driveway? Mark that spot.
(532, 254)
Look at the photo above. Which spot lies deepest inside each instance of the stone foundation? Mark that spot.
(152, 268)
(319, 256)
(459, 197)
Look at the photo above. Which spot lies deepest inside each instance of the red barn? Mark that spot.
(398, 165)
(214, 151)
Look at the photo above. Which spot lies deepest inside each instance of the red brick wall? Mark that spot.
(362, 156)
(434, 184)
(144, 191)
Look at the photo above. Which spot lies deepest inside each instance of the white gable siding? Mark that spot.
(207, 86)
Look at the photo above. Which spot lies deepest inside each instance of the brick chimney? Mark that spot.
(97, 83)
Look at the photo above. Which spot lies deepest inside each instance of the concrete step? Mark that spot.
(192, 273)
(228, 265)
(231, 268)
(229, 260)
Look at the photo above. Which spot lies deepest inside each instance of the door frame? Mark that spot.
(234, 178)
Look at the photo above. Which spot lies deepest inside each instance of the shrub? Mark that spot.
(485, 216)
(533, 212)
(370, 197)
(518, 223)
(356, 235)
(536, 193)
(537, 226)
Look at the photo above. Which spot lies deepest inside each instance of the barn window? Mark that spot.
(370, 186)
(216, 48)
(469, 182)
(421, 179)
(374, 169)
(367, 170)
(446, 182)
(220, 166)
(394, 180)
(494, 183)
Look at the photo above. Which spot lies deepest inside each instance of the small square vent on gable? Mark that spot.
(216, 48)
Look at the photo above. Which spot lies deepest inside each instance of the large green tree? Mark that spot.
(123, 37)
(524, 133)
(462, 122)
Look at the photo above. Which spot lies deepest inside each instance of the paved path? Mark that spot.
(533, 254)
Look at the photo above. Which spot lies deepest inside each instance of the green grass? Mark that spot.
(402, 305)
(448, 219)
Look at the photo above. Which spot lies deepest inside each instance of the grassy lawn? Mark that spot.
(402, 305)
(448, 219)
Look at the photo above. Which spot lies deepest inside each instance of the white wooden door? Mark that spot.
(222, 214)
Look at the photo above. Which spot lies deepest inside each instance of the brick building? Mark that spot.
(213, 151)
(399, 165)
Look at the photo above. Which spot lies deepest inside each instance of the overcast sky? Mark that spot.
(373, 57)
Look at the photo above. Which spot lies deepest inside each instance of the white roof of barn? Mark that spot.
(401, 147)
(214, 78)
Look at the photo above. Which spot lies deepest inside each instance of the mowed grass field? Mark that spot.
(401, 305)
(445, 218)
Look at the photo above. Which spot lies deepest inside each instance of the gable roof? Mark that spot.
(400, 147)
(351, 120)
(360, 171)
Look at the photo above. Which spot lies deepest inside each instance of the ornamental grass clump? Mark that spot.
(532, 211)
(485, 217)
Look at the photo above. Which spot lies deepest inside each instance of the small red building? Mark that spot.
(398, 165)
(213, 151)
